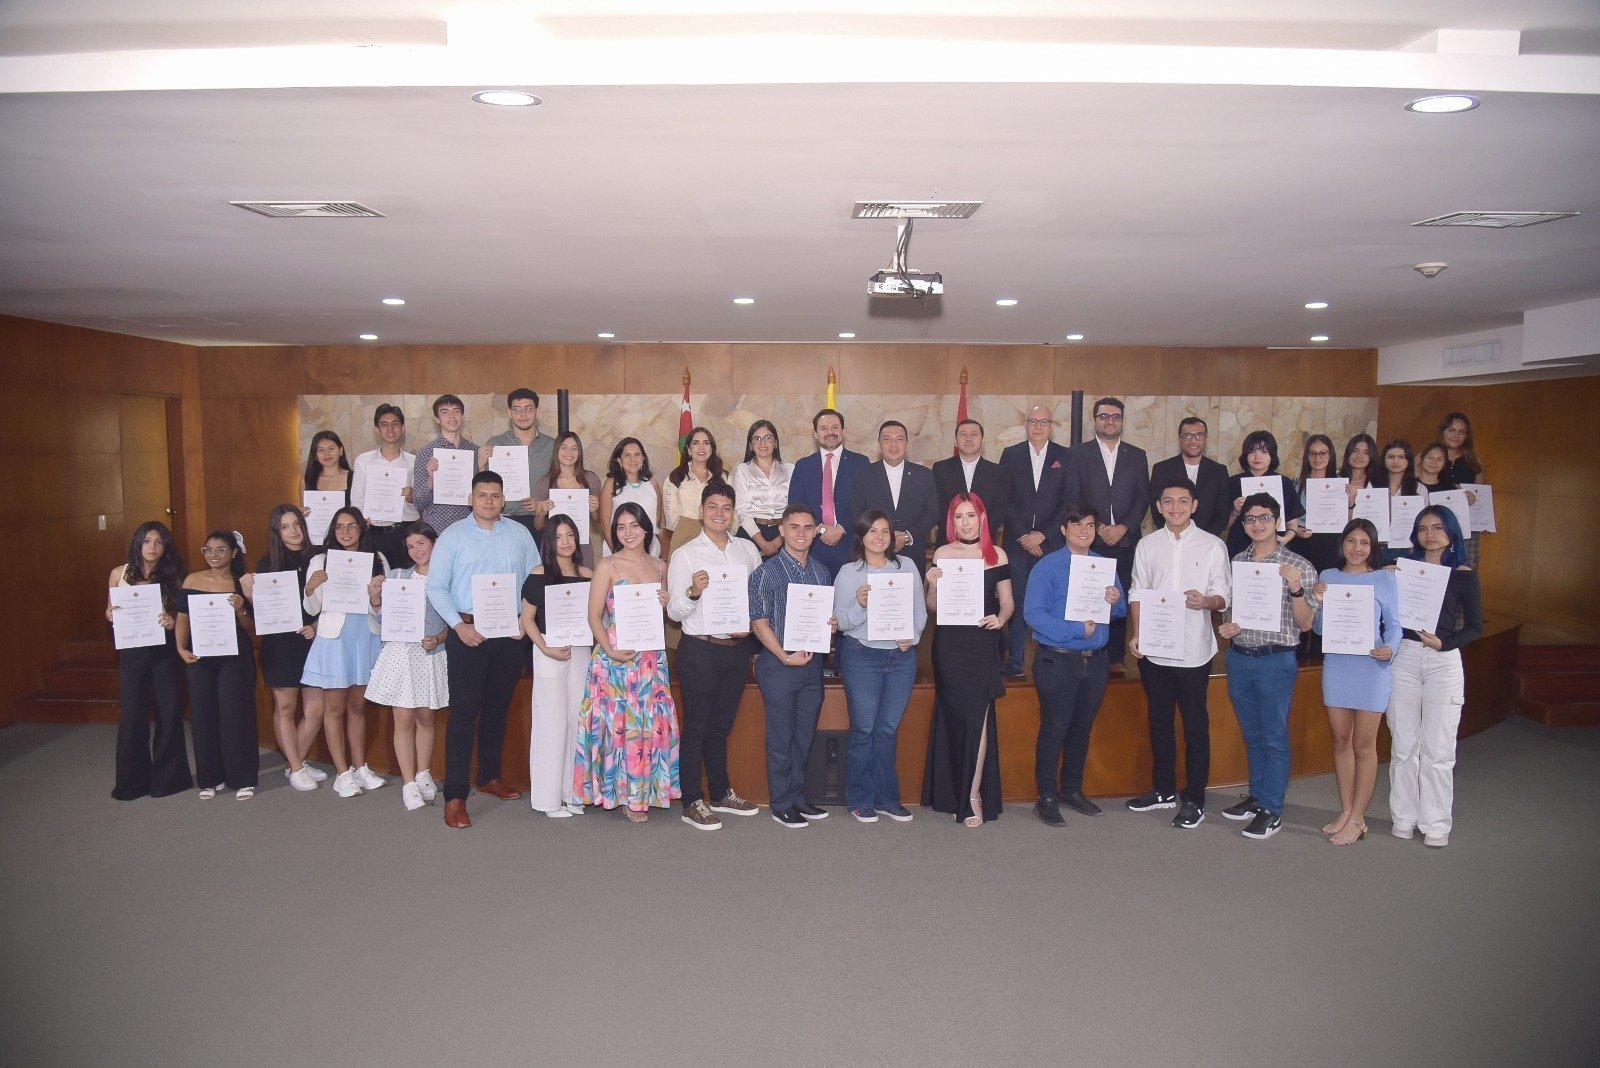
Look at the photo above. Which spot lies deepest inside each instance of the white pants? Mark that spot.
(553, 737)
(1424, 714)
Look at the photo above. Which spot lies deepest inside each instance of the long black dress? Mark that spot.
(967, 679)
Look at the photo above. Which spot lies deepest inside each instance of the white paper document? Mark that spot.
(212, 630)
(1402, 516)
(319, 506)
(1482, 509)
(1257, 602)
(1456, 501)
(497, 605)
(1373, 506)
(641, 624)
(1327, 505)
(566, 615)
(573, 503)
(510, 462)
(405, 609)
(136, 623)
(807, 610)
(346, 588)
(725, 602)
(275, 599)
(452, 482)
(1086, 589)
(1161, 623)
(1422, 587)
(889, 609)
(1349, 619)
(1272, 486)
(385, 501)
(959, 593)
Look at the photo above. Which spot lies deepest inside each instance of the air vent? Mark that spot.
(308, 209)
(914, 209)
(1483, 352)
(1495, 220)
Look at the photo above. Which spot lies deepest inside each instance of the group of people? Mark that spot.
(723, 550)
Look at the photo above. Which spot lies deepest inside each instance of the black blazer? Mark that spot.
(988, 482)
(1030, 509)
(1125, 499)
(917, 511)
(1213, 506)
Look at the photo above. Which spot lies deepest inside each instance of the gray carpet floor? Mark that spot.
(300, 928)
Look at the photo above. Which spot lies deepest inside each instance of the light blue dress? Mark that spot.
(1351, 681)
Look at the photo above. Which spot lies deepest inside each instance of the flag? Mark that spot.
(833, 389)
(961, 409)
(685, 420)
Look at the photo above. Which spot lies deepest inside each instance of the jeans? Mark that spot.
(1262, 688)
(1167, 689)
(1424, 715)
(1071, 688)
(877, 686)
(1021, 562)
(793, 696)
(711, 679)
(482, 680)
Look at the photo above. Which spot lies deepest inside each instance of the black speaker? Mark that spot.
(825, 768)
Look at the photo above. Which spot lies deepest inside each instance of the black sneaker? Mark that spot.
(1080, 804)
(1049, 812)
(1265, 825)
(790, 817)
(1189, 816)
(811, 812)
(1245, 809)
(1153, 800)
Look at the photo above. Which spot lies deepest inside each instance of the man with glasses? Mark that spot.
(1036, 478)
(1209, 477)
(523, 406)
(1113, 478)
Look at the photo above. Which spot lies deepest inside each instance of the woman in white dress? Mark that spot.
(761, 487)
(559, 672)
(628, 479)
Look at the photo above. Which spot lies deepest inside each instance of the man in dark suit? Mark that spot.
(900, 489)
(1036, 482)
(1113, 478)
(969, 472)
(824, 480)
(1210, 478)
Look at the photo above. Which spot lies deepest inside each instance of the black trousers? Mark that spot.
(1167, 688)
(482, 680)
(222, 718)
(1071, 688)
(711, 679)
(162, 768)
(1122, 553)
(391, 542)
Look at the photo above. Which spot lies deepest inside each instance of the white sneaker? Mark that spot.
(425, 783)
(411, 796)
(369, 779)
(302, 779)
(345, 784)
(316, 772)
(559, 814)
(574, 809)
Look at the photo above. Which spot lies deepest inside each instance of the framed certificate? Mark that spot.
(641, 623)
(566, 615)
(275, 598)
(807, 611)
(496, 611)
(452, 482)
(136, 621)
(1086, 589)
(405, 609)
(1349, 619)
(212, 630)
(889, 611)
(959, 593)
(1257, 596)
(1161, 623)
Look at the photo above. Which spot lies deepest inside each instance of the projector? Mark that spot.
(914, 284)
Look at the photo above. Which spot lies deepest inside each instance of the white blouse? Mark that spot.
(760, 497)
(682, 501)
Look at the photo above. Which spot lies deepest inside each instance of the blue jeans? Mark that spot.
(1021, 562)
(877, 686)
(1261, 688)
(793, 696)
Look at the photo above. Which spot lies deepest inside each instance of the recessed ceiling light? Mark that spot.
(506, 98)
(1007, 302)
(1074, 337)
(1316, 305)
(1319, 337)
(606, 335)
(847, 335)
(394, 301)
(1443, 104)
(744, 300)
(369, 337)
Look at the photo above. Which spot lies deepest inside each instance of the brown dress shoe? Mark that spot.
(455, 815)
(498, 788)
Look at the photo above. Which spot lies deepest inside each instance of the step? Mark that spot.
(42, 708)
(1560, 687)
(67, 679)
(1570, 714)
(1542, 659)
(89, 652)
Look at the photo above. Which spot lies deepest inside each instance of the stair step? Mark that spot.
(1560, 688)
(1566, 714)
(1542, 659)
(89, 652)
(43, 708)
(68, 679)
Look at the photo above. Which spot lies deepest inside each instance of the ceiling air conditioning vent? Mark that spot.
(914, 209)
(308, 209)
(1495, 220)
(1483, 352)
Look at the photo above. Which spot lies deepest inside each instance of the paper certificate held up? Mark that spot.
(889, 609)
(641, 624)
(496, 608)
(405, 609)
(566, 615)
(959, 593)
(319, 506)
(1480, 510)
(1456, 501)
(1402, 517)
(1349, 619)
(807, 610)
(725, 602)
(1161, 623)
(1086, 589)
(346, 588)
(574, 504)
(1373, 506)
(385, 500)
(275, 597)
(136, 621)
(510, 462)
(1272, 486)
(1327, 505)
(212, 630)
(1422, 588)
(452, 482)
(1257, 596)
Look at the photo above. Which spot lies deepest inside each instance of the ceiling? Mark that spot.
(1146, 179)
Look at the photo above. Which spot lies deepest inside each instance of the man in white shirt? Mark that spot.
(1182, 560)
(388, 460)
(712, 663)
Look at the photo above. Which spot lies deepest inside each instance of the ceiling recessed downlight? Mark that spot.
(394, 302)
(1319, 337)
(1316, 305)
(1443, 104)
(846, 335)
(605, 335)
(1074, 337)
(369, 337)
(744, 300)
(506, 98)
(1007, 302)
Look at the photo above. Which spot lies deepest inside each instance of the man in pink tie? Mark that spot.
(824, 480)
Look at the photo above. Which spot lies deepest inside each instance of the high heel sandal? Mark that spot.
(1331, 829)
(1360, 833)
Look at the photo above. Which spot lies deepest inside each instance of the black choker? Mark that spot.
(968, 541)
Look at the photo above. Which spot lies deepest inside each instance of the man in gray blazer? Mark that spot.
(902, 490)
(1113, 478)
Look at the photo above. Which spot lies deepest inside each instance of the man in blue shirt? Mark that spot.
(483, 671)
(1070, 668)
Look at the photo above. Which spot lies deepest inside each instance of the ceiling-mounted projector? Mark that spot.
(904, 282)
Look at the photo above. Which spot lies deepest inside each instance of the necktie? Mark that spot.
(827, 489)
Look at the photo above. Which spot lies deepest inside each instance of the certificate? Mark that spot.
(1327, 505)
(807, 610)
(1373, 505)
(566, 615)
(346, 588)
(136, 623)
(959, 593)
(384, 502)
(452, 482)
(496, 612)
(573, 503)
(275, 597)
(1421, 593)
(510, 462)
(1349, 619)
(1257, 596)
(640, 622)
(1161, 623)
(212, 631)
(725, 602)
(1456, 501)
(1272, 486)
(889, 611)
(1482, 509)
(1086, 589)
(1402, 516)
(319, 506)
(405, 609)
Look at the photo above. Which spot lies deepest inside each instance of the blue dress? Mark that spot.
(1351, 681)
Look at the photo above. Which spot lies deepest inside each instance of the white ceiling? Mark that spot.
(1146, 180)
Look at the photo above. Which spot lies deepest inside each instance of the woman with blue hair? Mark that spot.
(1429, 688)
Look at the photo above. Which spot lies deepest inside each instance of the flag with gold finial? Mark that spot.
(961, 409)
(685, 419)
(833, 389)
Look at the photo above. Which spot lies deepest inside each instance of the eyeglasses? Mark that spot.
(1257, 520)
(1041, 422)
(212, 550)
(1192, 435)
(763, 439)
(1319, 454)
(523, 409)
(1109, 417)
(347, 527)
